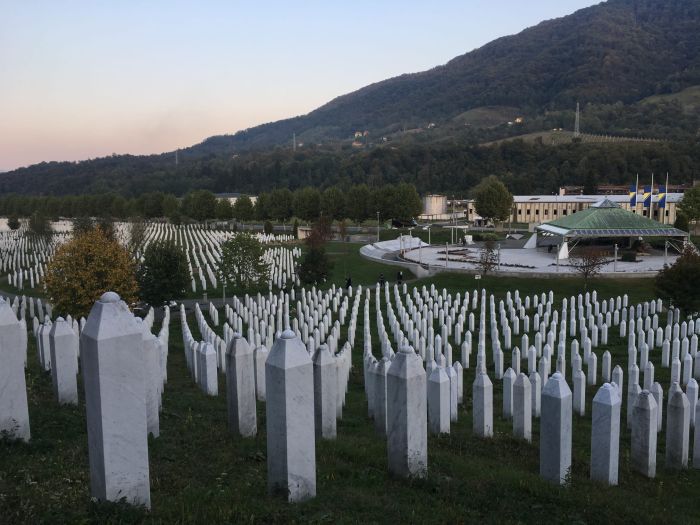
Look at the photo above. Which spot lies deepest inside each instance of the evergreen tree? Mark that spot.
(163, 275)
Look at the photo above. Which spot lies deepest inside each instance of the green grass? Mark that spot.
(200, 473)
(347, 260)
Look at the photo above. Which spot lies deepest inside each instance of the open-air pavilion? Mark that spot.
(603, 221)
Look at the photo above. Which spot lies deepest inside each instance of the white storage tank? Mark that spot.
(434, 205)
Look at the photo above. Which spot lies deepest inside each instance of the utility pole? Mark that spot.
(577, 123)
(377, 225)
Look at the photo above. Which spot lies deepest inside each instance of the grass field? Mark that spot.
(200, 473)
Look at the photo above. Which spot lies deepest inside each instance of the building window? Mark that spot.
(644, 213)
(555, 212)
(564, 212)
(666, 213)
(537, 211)
(546, 212)
(528, 212)
(520, 212)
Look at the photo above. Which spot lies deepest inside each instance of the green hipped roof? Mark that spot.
(605, 219)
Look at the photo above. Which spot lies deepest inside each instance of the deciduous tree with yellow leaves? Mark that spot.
(86, 267)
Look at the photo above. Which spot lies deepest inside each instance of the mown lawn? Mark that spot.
(200, 473)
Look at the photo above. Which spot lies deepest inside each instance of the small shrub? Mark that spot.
(628, 256)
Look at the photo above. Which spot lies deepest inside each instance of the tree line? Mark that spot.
(355, 202)
(453, 167)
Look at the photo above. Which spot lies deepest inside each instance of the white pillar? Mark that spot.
(240, 387)
(555, 430)
(407, 432)
(605, 435)
(291, 443)
(115, 403)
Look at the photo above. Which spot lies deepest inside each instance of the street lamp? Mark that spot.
(615, 259)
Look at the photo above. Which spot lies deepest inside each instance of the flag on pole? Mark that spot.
(633, 195)
(646, 198)
(662, 196)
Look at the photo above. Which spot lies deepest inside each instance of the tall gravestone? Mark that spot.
(439, 402)
(407, 427)
(522, 408)
(115, 403)
(555, 430)
(605, 435)
(291, 440)
(64, 356)
(14, 411)
(482, 399)
(677, 429)
(643, 444)
(240, 387)
(325, 386)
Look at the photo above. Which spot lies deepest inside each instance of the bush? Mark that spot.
(628, 256)
(85, 268)
(678, 283)
(267, 227)
(163, 275)
(13, 222)
(487, 237)
(681, 222)
(242, 263)
(314, 267)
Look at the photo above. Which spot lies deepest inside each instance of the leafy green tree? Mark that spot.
(690, 204)
(315, 265)
(163, 274)
(84, 268)
(307, 203)
(678, 282)
(82, 224)
(242, 263)
(357, 203)
(151, 204)
(171, 205)
(199, 205)
(407, 202)
(13, 222)
(224, 210)
(263, 206)
(681, 222)
(492, 200)
(118, 207)
(243, 209)
(39, 224)
(281, 204)
(267, 227)
(333, 203)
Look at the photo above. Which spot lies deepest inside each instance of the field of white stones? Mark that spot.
(23, 258)
(401, 403)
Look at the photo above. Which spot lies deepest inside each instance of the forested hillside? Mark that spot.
(632, 64)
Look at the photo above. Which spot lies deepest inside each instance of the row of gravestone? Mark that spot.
(203, 251)
(441, 386)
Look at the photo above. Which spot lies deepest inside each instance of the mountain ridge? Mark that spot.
(613, 57)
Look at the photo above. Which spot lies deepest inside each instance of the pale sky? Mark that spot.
(86, 78)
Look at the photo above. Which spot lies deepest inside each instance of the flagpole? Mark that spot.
(666, 199)
(636, 193)
(651, 198)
